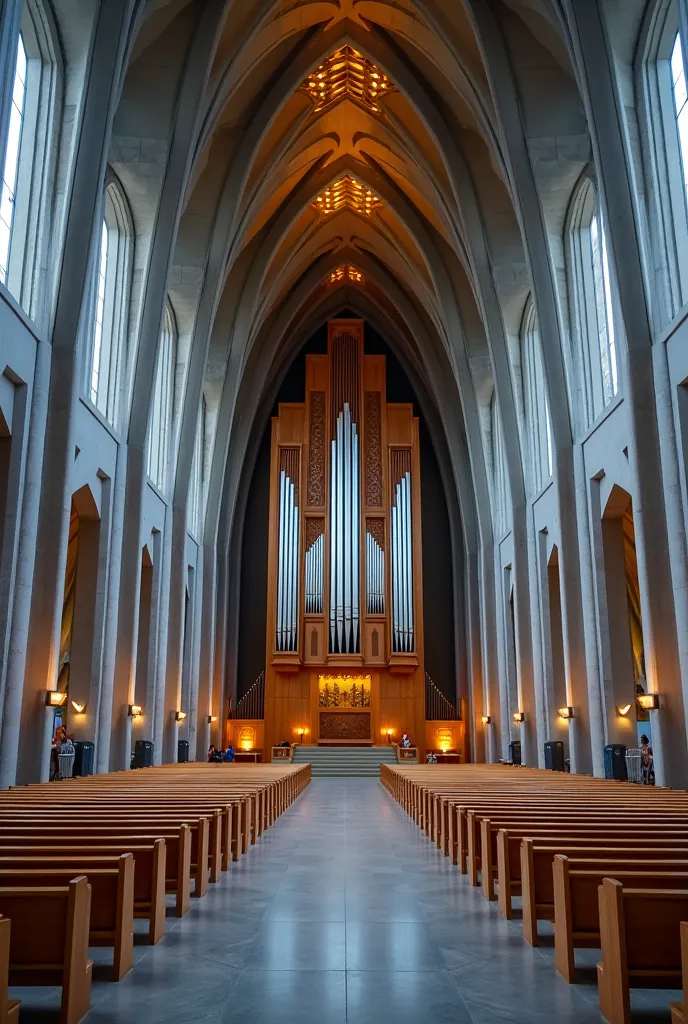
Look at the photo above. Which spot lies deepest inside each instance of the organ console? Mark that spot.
(344, 552)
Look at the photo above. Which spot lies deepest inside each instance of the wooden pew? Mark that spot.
(177, 849)
(576, 898)
(56, 952)
(640, 933)
(9, 1008)
(149, 872)
(102, 824)
(537, 887)
(111, 920)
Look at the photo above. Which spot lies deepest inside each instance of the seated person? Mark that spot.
(405, 741)
(229, 753)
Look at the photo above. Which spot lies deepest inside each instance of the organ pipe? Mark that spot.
(375, 576)
(402, 567)
(286, 638)
(315, 576)
(345, 536)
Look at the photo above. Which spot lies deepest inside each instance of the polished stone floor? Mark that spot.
(342, 912)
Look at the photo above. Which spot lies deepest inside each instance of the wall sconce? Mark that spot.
(211, 719)
(519, 717)
(300, 734)
(388, 733)
(79, 708)
(135, 710)
(54, 698)
(649, 701)
(565, 712)
(179, 716)
(487, 719)
(623, 711)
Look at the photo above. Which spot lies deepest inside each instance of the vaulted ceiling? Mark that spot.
(349, 154)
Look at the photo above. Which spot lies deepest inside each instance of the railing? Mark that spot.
(252, 704)
(437, 707)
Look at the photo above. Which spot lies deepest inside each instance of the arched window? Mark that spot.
(160, 421)
(110, 308)
(501, 493)
(661, 65)
(592, 301)
(28, 160)
(197, 480)
(538, 429)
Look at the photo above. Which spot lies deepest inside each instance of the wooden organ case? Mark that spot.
(345, 615)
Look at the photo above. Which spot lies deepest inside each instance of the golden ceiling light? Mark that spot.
(346, 273)
(347, 74)
(347, 192)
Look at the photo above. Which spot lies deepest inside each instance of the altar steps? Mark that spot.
(341, 762)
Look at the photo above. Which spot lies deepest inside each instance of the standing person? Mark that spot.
(648, 761)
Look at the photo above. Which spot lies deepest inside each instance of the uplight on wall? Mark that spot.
(179, 716)
(519, 717)
(135, 710)
(300, 733)
(388, 734)
(649, 701)
(54, 698)
(79, 708)
(211, 719)
(487, 719)
(565, 712)
(624, 709)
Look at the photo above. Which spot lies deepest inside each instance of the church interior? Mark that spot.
(343, 511)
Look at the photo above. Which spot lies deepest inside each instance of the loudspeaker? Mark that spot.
(515, 751)
(615, 762)
(182, 751)
(554, 756)
(143, 754)
(84, 757)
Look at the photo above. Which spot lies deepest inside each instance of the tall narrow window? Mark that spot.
(603, 308)
(107, 351)
(160, 423)
(99, 312)
(594, 366)
(538, 431)
(501, 492)
(11, 164)
(678, 86)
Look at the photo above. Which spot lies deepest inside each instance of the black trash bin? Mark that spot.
(182, 751)
(84, 757)
(143, 754)
(615, 762)
(515, 751)
(554, 756)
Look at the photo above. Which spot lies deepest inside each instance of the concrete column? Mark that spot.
(605, 114)
(208, 734)
(482, 745)
(542, 726)
(114, 562)
(197, 717)
(165, 728)
(14, 499)
(17, 717)
(667, 418)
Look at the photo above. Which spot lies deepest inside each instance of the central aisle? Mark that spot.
(343, 912)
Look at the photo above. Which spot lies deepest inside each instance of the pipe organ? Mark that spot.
(344, 546)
